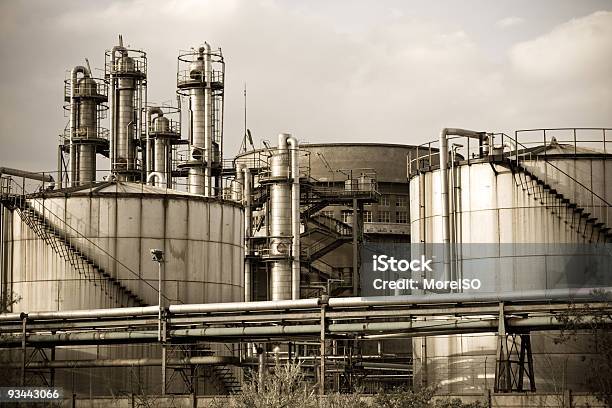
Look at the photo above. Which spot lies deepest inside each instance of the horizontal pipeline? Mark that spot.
(131, 362)
(580, 294)
(430, 327)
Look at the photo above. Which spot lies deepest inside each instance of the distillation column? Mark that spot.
(126, 70)
(285, 220)
(162, 133)
(201, 79)
(85, 97)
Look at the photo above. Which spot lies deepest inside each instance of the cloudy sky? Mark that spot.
(327, 71)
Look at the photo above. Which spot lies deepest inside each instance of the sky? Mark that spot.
(325, 71)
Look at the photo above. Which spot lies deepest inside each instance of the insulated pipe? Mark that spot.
(248, 216)
(449, 298)
(295, 217)
(243, 306)
(208, 123)
(314, 303)
(131, 362)
(414, 327)
(149, 164)
(79, 69)
(444, 189)
(27, 174)
(161, 177)
(238, 183)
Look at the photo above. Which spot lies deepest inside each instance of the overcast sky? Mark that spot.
(341, 71)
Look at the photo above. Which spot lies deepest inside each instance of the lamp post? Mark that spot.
(157, 255)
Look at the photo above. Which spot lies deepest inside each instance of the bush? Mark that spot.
(286, 387)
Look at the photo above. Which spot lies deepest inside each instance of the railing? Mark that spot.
(303, 160)
(334, 225)
(98, 87)
(542, 152)
(84, 133)
(184, 77)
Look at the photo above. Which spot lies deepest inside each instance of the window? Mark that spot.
(347, 217)
(367, 216)
(401, 217)
(328, 213)
(384, 216)
(401, 201)
(384, 200)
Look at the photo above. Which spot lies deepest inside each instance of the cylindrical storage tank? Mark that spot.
(366, 183)
(505, 211)
(351, 185)
(115, 228)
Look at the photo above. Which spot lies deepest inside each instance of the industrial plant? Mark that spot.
(152, 262)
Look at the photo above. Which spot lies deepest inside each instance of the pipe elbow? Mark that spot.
(155, 110)
(119, 48)
(79, 69)
(292, 141)
(156, 175)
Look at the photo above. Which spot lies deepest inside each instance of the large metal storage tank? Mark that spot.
(114, 225)
(490, 207)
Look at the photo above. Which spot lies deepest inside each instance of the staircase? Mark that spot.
(334, 234)
(67, 248)
(592, 226)
(230, 382)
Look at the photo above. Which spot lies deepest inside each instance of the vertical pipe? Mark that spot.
(248, 278)
(148, 155)
(443, 142)
(295, 217)
(262, 366)
(60, 178)
(324, 300)
(355, 264)
(208, 123)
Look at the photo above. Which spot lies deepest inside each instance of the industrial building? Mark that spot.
(178, 269)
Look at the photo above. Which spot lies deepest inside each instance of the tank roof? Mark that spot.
(127, 188)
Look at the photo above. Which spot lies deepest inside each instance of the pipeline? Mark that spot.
(149, 156)
(563, 295)
(409, 328)
(248, 216)
(47, 178)
(131, 362)
(444, 189)
(295, 217)
(73, 118)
